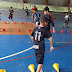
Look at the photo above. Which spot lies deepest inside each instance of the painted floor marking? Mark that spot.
(16, 53)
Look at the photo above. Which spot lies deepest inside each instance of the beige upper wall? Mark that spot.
(50, 2)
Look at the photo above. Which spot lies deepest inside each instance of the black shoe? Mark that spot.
(63, 26)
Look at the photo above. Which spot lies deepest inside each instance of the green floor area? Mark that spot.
(16, 5)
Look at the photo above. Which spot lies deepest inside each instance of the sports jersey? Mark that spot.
(39, 33)
(51, 17)
(34, 9)
(66, 17)
(26, 9)
(11, 12)
(49, 22)
(37, 17)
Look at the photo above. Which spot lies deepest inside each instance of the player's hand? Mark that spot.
(51, 48)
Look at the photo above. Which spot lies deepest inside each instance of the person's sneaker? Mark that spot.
(11, 22)
(68, 26)
(63, 26)
(7, 22)
(53, 42)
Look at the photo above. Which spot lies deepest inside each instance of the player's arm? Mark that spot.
(32, 10)
(12, 12)
(69, 18)
(63, 19)
(51, 42)
(52, 23)
(32, 38)
(54, 30)
(49, 35)
(9, 11)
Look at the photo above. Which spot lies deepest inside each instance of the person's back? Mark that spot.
(39, 35)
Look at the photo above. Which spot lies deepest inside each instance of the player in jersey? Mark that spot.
(66, 18)
(10, 15)
(37, 17)
(33, 15)
(0, 16)
(38, 35)
(50, 18)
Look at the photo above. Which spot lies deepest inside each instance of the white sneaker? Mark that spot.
(7, 22)
(11, 22)
(68, 25)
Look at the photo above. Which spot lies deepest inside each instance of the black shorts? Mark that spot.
(10, 16)
(27, 13)
(66, 21)
(39, 58)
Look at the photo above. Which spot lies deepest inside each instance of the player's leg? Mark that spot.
(64, 23)
(12, 18)
(32, 17)
(0, 16)
(39, 60)
(8, 19)
(40, 67)
(27, 13)
(50, 40)
(67, 24)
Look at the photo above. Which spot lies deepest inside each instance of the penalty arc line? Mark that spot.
(34, 55)
(16, 53)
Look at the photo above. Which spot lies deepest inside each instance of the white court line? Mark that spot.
(16, 53)
(34, 24)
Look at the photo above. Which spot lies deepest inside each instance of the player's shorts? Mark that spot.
(66, 21)
(39, 58)
(10, 16)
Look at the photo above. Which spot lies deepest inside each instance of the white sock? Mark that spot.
(41, 71)
(49, 39)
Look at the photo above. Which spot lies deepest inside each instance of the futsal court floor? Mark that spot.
(16, 52)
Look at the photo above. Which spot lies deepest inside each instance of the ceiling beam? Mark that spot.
(46, 2)
(69, 6)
